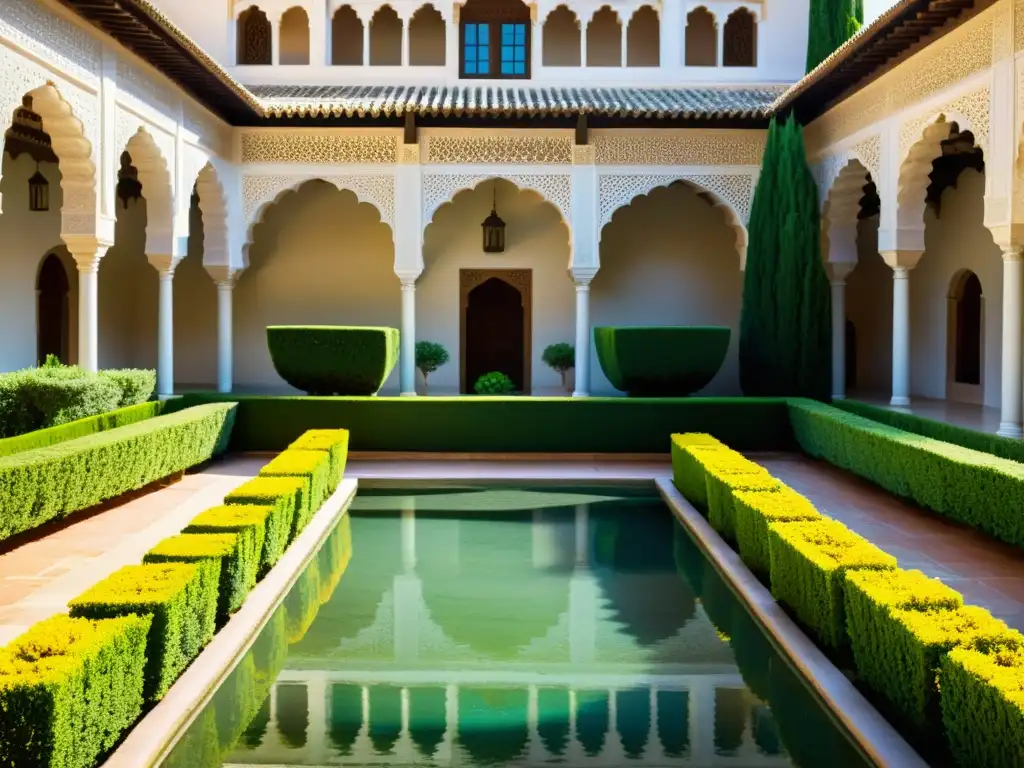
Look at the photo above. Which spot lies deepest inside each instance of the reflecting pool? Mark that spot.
(497, 627)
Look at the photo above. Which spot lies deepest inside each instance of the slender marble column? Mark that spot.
(900, 337)
(407, 358)
(165, 337)
(838, 272)
(1012, 391)
(87, 253)
(582, 372)
(225, 335)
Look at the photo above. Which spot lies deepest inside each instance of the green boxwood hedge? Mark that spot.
(504, 425)
(661, 361)
(91, 425)
(284, 495)
(333, 360)
(48, 483)
(978, 489)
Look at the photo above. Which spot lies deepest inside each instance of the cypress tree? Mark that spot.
(789, 264)
(831, 23)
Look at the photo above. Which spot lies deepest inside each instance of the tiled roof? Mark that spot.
(376, 101)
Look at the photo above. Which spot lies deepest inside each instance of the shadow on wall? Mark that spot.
(669, 258)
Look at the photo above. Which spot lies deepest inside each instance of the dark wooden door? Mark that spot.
(495, 339)
(52, 290)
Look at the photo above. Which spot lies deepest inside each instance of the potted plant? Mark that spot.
(560, 357)
(430, 355)
(494, 383)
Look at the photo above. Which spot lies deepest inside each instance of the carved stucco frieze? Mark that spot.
(974, 106)
(68, 47)
(585, 154)
(326, 148)
(440, 188)
(512, 149)
(410, 154)
(734, 190)
(691, 148)
(869, 152)
(377, 190)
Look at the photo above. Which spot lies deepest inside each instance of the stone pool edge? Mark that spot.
(152, 738)
(875, 735)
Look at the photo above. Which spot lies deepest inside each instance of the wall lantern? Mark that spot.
(38, 192)
(494, 229)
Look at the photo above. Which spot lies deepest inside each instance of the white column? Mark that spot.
(225, 335)
(165, 335)
(1012, 391)
(407, 357)
(624, 53)
(583, 42)
(275, 41)
(366, 42)
(720, 42)
(405, 41)
(318, 26)
(582, 372)
(837, 278)
(900, 337)
(87, 252)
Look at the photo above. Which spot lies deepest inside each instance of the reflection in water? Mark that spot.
(479, 627)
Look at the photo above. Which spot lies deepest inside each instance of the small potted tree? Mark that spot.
(560, 357)
(430, 355)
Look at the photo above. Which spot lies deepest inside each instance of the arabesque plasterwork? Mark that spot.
(377, 190)
(303, 146)
(689, 148)
(66, 46)
(501, 148)
(617, 190)
(441, 188)
(869, 152)
(974, 107)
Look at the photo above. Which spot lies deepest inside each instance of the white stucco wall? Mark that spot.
(319, 257)
(536, 239)
(668, 258)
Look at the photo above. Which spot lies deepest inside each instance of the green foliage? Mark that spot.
(506, 425)
(51, 361)
(233, 552)
(284, 496)
(249, 520)
(182, 599)
(754, 511)
(335, 443)
(688, 471)
(661, 361)
(47, 483)
(41, 438)
(560, 357)
(809, 560)
(68, 689)
(313, 466)
(785, 320)
(1004, 447)
(430, 355)
(494, 383)
(983, 706)
(333, 360)
(832, 23)
(722, 483)
(136, 385)
(977, 489)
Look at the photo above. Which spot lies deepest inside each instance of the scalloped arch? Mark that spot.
(441, 188)
(155, 176)
(916, 167)
(843, 196)
(214, 210)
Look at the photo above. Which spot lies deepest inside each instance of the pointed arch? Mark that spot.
(643, 38)
(427, 30)
(294, 36)
(254, 38)
(740, 39)
(561, 39)
(604, 39)
(701, 44)
(157, 188)
(346, 38)
(386, 38)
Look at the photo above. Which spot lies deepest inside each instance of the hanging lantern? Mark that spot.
(494, 229)
(38, 192)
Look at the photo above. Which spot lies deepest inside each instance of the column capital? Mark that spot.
(164, 263)
(901, 259)
(1013, 252)
(223, 275)
(838, 271)
(583, 275)
(408, 278)
(86, 250)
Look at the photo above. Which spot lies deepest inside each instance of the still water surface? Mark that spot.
(499, 627)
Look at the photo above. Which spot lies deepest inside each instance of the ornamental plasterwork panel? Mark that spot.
(67, 46)
(827, 170)
(615, 191)
(377, 190)
(584, 154)
(309, 147)
(869, 152)
(1002, 33)
(691, 148)
(440, 188)
(974, 106)
(410, 154)
(1018, 26)
(509, 149)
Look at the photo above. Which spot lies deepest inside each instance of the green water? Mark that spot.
(494, 627)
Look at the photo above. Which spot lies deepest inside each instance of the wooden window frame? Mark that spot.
(494, 15)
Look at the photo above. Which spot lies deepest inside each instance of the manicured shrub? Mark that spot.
(982, 700)
(135, 384)
(494, 383)
(809, 560)
(249, 520)
(47, 483)
(45, 397)
(661, 361)
(233, 553)
(560, 357)
(68, 689)
(688, 471)
(430, 356)
(333, 360)
(314, 467)
(977, 489)
(181, 598)
(754, 511)
(335, 442)
(284, 496)
(723, 480)
(41, 438)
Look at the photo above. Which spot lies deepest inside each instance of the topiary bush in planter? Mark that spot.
(333, 360)
(661, 361)
(494, 383)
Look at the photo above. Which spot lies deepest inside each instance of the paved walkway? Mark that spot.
(987, 572)
(982, 418)
(39, 577)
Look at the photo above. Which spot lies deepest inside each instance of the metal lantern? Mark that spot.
(494, 229)
(38, 192)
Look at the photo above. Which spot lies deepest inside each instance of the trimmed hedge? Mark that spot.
(311, 466)
(284, 496)
(724, 479)
(335, 442)
(688, 474)
(983, 706)
(505, 425)
(978, 489)
(90, 425)
(1003, 447)
(333, 360)
(754, 511)
(68, 688)
(234, 554)
(249, 520)
(47, 483)
(182, 599)
(661, 361)
(808, 562)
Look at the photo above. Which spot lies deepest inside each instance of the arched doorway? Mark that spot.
(964, 351)
(52, 299)
(495, 325)
(851, 355)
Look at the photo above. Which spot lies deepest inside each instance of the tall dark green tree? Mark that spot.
(832, 23)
